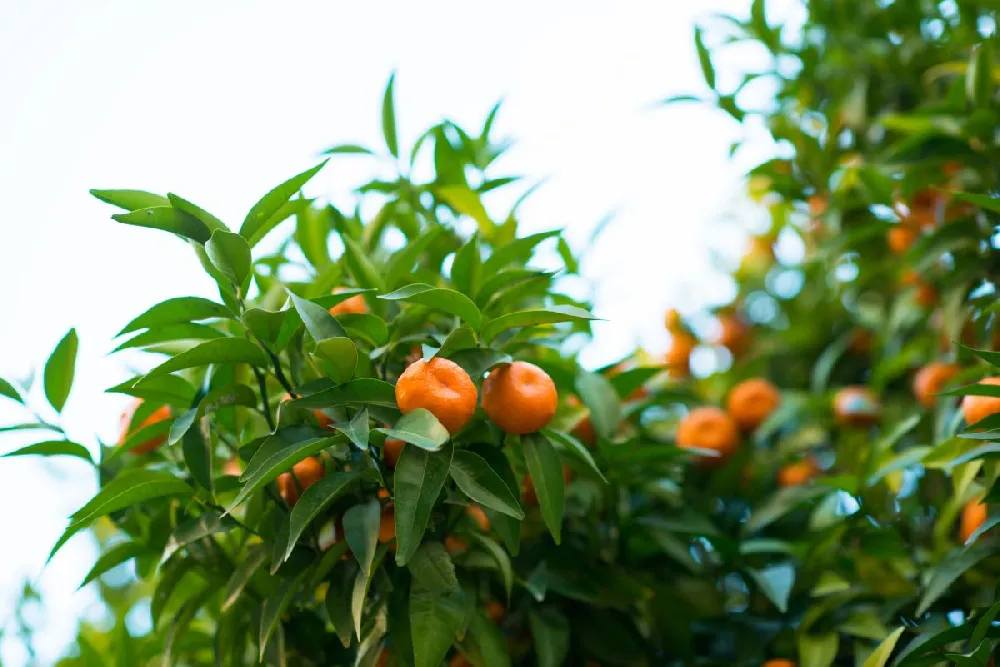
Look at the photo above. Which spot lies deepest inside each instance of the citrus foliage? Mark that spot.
(376, 452)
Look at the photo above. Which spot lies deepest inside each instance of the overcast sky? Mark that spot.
(219, 100)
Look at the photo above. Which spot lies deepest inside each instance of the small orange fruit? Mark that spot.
(162, 413)
(672, 320)
(387, 526)
(779, 662)
(759, 255)
(307, 472)
(901, 237)
(709, 428)
(453, 545)
(798, 473)
(929, 380)
(383, 493)
(927, 296)
(856, 406)
(391, 451)
(977, 408)
(351, 305)
(476, 513)
(973, 516)
(817, 205)
(734, 333)
(441, 386)
(519, 397)
(678, 357)
(495, 611)
(459, 660)
(752, 401)
(861, 341)
(232, 467)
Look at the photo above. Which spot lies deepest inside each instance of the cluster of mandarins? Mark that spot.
(519, 398)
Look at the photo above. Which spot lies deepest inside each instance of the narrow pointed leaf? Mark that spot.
(271, 203)
(420, 476)
(480, 482)
(60, 369)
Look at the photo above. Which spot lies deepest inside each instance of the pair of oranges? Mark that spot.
(708, 427)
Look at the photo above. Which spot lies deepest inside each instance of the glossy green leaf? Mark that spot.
(401, 264)
(704, 59)
(599, 395)
(780, 503)
(268, 205)
(951, 568)
(500, 557)
(181, 621)
(209, 220)
(529, 318)
(197, 528)
(60, 369)
(477, 360)
(421, 428)
(53, 448)
(435, 620)
(507, 527)
(363, 391)
(880, 656)
(389, 117)
(467, 269)
(313, 501)
(171, 333)
(776, 583)
(112, 558)
(361, 524)
(439, 298)
(361, 266)
(130, 200)
(177, 311)
(220, 351)
(518, 250)
(547, 477)
(420, 476)
(230, 254)
(276, 455)
(254, 559)
(818, 650)
(339, 358)
(550, 631)
(432, 567)
(482, 484)
(8, 390)
(462, 338)
(168, 219)
(567, 443)
(275, 605)
(465, 201)
(319, 322)
(357, 430)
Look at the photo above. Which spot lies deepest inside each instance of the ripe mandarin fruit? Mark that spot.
(817, 205)
(308, 471)
(752, 401)
(973, 516)
(495, 611)
(901, 237)
(779, 662)
(978, 408)
(441, 386)
(856, 406)
(733, 333)
(232, 467)
(453, 545)
(930, 379)
(387, 526)
(678, 356)
(927, 296)
(321, 418)
(351, 305)
(861, 341)
(459, 660)
(709, 428)
(672, 320)
(519, 397)
(798, 473)
(476, 513)
(160, 414)
(391, 451)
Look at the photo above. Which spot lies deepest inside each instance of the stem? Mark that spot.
(265, 408)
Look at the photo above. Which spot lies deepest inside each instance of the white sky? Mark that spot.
(219, 100)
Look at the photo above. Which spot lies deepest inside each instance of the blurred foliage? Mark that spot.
(835, 510)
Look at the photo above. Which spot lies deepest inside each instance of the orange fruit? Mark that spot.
(351, 305)
(307, 472)
(678, 357)
(901, 237)
(779, 662)
(453, 545)
(383, 493)
(441, 386)
(232, 467)
(476, 513)
(951, 169)
(927, 296)
(924, 206)
(752, 401)
(709, 428)
(929, 380)
(733, 334)
(391, 451)
(973, 516)
(459, 660)
(672, 320)
(817, 205)
(519, 397)
(978, 408)
(909, 278)
(759, 255)
(856, 406)
(387, 526)
(861, 341)
(495, 611)
(324, 421)
(160, 414)
(798, 473)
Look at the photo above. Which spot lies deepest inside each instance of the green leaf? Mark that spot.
(181, 622)
(197, 528)
(439, 298)
(432, 567)
(979, 84)
(389, 118)
(312, 228)
(278, 454)
(271, 203)
(124, 491)
(53, 448)
(518, 250)
(547, 477)
(60, 369)
(361, 265)
(290, 208)
(465, 201)
(776, 583)
(550, 631)
(275, 605)
(462, 338)
(435, 620)
(255, 558)
(210, 221)
(880, 656)
(171, 333)
(172, 572)
(490, 642)
(507, 527)
(319, 322)
(230, 254)
(951, 568)
(704, 59)
(780, 503)
(577, 449)
(530, 318)
(130, 200)
(480, 482)
(477, 360)
(467, 269)
(401, 264)
(501, 558)
(176, 311)
(168, 219)
(113, 557)
(363, 391)
(366, 326)
(599, 395)
(220, 351)
(362, 582)
(818, 650)
(8, 390)
(197, 451)
(313, 501)
(421, 428)
(420, 476)
(361, 526)
(347, 149)
(357, 430)
(236, 394)
(986, 202)
(989, 356)
(339, 358)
